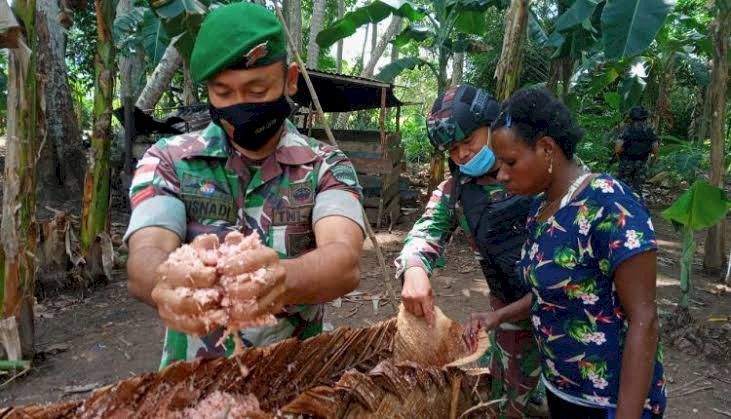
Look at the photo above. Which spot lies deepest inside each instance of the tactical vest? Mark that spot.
(638, 141)
(498, 227)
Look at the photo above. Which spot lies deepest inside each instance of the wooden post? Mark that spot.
(331, 140)
(382, 118)
(129, 133)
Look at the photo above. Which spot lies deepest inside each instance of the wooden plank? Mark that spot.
(373, 181)
(360, 136)
(373, 167)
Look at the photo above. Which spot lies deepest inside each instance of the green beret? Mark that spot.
(239, 32)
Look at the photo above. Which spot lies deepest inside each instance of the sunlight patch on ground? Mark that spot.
(667, 281)
(384, 239)
(667, 245)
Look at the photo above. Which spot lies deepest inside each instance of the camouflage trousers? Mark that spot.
(633, 173)
(514, 363)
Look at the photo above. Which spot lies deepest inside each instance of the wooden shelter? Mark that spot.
(376, 154)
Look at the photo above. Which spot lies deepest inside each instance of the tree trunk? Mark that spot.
(363, 51)
(715, 244)
(96, 186)
(190, 94)
(26, 131)
(376, 53)
(374, 36)
(662, 110)
(313, 50)
(457, 68)
(159, 82)
(698, 120)
(339, 59)
(61, 175)
(507, 72)
(293, 17)
(132, 65)
(559, 72)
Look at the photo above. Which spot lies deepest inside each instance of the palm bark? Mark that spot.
(715, 243)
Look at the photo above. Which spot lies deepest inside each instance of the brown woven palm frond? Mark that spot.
(276, 375)
(392, 391)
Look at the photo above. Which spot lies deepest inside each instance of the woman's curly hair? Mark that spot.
(535, 112)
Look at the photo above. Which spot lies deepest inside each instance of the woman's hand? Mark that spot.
(487, 321)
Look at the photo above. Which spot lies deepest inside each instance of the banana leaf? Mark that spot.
(579, 12)
(629, 26)
(390, 71)
(701, 206)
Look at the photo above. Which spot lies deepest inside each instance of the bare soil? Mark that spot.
(87, 340)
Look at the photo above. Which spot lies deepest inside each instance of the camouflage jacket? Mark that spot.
(427, 240)
(196, 183)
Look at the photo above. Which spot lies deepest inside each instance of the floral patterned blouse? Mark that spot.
(577, 317)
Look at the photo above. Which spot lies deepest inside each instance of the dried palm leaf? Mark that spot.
(390, 391)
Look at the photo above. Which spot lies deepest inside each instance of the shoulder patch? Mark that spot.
(345, 174)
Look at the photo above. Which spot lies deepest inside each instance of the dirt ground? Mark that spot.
(105, 336)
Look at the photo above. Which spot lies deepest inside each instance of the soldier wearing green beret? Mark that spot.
(248, 171)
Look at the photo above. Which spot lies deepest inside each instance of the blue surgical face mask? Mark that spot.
(479, 164)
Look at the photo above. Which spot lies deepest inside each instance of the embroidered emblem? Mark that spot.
(254, 54)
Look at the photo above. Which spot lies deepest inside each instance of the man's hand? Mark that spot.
(192, 287)
(417, 294)
(270, 293)
(488, 321)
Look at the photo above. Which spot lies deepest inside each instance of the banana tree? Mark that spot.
(445, 27)
(700, 207)
(605, 38)
(97, 182)
(26, 131)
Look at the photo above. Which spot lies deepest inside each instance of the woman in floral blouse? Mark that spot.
(590, 259)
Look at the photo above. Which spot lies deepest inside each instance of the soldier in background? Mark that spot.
(634, 147)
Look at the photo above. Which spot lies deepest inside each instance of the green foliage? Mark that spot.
(684, 160)
(373, 12)
(700, 207)
(414, 141)
(629, 26)
(140, 28)
(389, 72)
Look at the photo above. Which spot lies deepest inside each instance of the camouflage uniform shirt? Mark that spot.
(197, 183)
(427, 240)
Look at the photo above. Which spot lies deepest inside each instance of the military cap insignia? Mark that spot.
(254, 54)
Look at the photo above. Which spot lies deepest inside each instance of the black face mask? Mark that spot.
(253, 124)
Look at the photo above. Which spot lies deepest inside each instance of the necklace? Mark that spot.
(566, 198)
